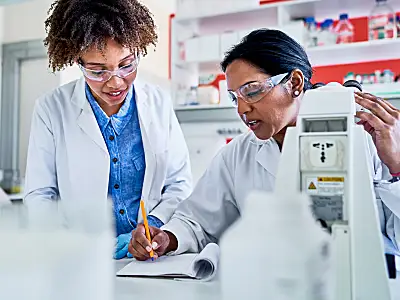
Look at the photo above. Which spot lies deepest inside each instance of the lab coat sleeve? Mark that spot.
(389, 194)
(208, 212)
(388, 201)
(40, 179)
(178, 181)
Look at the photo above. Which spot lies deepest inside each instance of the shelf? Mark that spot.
(206, 113)
(354, 52)
(384, 90)
(201, 107)
(330, 55)
(239, 12)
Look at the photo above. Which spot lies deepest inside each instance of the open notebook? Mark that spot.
(202, 266)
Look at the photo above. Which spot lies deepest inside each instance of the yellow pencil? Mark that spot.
(146, 226)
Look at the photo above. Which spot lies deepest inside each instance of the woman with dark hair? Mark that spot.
(267, 75)
(106, 135)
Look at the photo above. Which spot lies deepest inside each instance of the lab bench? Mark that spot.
(131, 288)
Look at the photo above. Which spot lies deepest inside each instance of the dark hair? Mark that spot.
(273, 51)
(73, 26)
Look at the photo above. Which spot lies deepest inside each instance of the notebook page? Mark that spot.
(171, 266)
(205, 265)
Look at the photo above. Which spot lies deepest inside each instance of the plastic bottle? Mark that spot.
(327, 35)
(398, 26)
(311, 32)
(332, 36)
(276, 251)
(344, 30)
(191, 97)
(322, 34)
(379, 21)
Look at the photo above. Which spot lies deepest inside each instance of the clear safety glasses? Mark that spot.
(105, 75)
(254, 91)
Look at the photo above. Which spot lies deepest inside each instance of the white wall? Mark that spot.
(25, 21)
(33, 13)
(157, 62)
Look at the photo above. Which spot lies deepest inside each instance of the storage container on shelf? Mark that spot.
(388, 76)
(398, 25)
(311, 32)
(191, 96)
(344, 30)
(379, 25)
(327, 35)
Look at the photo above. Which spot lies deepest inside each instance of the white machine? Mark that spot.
(333, 166)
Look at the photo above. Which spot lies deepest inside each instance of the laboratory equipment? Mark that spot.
(67, 254)
(310, 32)
(379, 23)
(344, 30)
(286, 254)
(11, 181)
(327, 34)
(334, 167)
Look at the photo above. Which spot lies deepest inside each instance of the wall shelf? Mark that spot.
(206, 113)
(385, 90)
(239, 12)
(329, 55)
(354, 52)
(211, 28)
(201, 107)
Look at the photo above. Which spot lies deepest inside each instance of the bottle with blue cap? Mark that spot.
(327, 34)
(311, 32)
(344, 30)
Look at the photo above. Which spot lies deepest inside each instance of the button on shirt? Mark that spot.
(123, 138)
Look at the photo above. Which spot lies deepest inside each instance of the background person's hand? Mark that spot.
(384, 127)
(140, 246)
(121, 247)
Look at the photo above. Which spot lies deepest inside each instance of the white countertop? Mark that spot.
(169, 289)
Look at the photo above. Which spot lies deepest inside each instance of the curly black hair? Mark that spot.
(74, 26)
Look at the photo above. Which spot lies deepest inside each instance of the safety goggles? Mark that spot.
(254, 91)
(105, 75)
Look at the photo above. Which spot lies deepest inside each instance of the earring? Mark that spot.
(296, 93)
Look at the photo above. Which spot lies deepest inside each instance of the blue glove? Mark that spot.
(121, 247)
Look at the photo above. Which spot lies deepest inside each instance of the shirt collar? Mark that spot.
(118, 120)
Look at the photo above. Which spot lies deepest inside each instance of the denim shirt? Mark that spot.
(122, 135)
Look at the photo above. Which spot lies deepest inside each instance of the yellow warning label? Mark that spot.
(312, 186)
(330, 179)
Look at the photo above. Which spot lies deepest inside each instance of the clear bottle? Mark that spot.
(379, 21)
(327, 35)
(398, 26)
(191, 97)
(311, 32)
(322, 34)
(332, 36)
(344, 30)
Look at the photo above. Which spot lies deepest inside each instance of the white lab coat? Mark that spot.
(68, 157)
(247, 164)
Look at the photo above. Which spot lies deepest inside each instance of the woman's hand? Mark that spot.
(384, 127)
(161, 243)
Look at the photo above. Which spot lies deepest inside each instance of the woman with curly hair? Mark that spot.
(105, 135)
